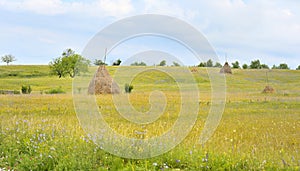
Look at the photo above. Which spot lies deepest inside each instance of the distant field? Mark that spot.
(257, 131)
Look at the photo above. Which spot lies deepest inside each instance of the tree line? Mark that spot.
(72, 64)
(255, 64)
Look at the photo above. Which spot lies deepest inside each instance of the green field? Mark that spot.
(257, 132)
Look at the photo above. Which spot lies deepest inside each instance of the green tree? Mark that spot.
(264, 66)
(69, 64)
(99, 62)
(162, 63)
(255, 64)
(281, 66)
(75, 64)
(298, 68)
(68, 52)
(138, 64)
(218, 65)
(8, 59)
(236, 64)
(117, 62)
(57, 68)
(176, 64)
(245, 66)
(202, 64)
(209, 63)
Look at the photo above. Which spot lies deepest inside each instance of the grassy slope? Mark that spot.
(257, 131)
(12, 77)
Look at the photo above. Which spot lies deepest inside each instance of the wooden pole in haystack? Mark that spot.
(105, 56)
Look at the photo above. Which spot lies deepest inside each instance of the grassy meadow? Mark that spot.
(257, 132)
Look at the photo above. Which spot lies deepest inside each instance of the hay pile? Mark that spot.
(268, 89)
(226, 69)
(194, 70)
(102, 83)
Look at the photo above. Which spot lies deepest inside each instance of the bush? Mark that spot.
(26, 89)
(10, 92)
(17, 92)
(58, 90)
(128, 88)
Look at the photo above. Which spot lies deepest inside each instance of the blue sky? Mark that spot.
(36, 31)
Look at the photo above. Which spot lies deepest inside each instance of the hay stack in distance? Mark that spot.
(102, 83)
(194, 70)
(269, 89)
(226, 69)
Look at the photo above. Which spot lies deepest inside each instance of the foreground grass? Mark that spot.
(257, 131)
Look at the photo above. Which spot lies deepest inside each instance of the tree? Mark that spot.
(202, 64)
(75, 64)
(274, 67)
(281, 66)
(69, 64)
(68, 52)
(56, 67)
(117, 62)
(162, 63)
(236, 64)
(176, 64)
(209, 63)
(255, 64)
(138, 64)
(8, 59)
(99, 62)
(264, 66)
(245, 66)
(298, 68)
(218, 65)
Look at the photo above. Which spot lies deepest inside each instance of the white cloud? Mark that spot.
(168, 8)
(266, 29)
(242, 28)
(98, 8)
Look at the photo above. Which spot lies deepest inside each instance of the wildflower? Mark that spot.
(154, 164)
(177, 161)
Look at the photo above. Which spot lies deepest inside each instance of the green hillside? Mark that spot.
(246, 82)
(257, 131)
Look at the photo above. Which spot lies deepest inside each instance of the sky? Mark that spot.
(36, 31)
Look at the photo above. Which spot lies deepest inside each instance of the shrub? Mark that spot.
(128, 88)
(58, 90)
(26, 89)
(17, 92)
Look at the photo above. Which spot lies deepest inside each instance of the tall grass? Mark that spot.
(257, 132)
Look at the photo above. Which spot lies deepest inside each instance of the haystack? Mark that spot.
(102, 83)
(268, 89)
(194, 70)
(226, 69)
